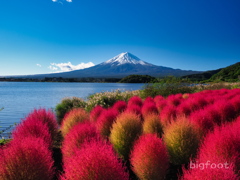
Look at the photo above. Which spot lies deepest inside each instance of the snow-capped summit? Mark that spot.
(125, 58)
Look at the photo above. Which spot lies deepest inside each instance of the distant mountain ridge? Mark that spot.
(229, 73)
(120, 66)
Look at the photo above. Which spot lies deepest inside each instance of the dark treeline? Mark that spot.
(60, 79)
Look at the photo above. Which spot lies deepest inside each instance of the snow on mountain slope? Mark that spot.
(125, 58)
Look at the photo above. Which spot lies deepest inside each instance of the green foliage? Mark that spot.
(166, 87)
(152, 125)
(66, 105)
(138, 79)
(230, 74)
(125, 130)
(182, 140)
(202, 76)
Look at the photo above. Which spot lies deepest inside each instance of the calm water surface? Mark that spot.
(20, 98)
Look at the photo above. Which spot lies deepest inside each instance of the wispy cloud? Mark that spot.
(64, 67)
(39, 65)
(61, 1)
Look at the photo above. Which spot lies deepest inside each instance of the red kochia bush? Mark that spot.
(149, 158)
(149, 108)
(196, 101)
(148, 99)
(95, 113)
(135, 100)
(225, 110)
(236, 104)
(222, 145)
(135, 109)
(204, 119)
(47, 117)
(161, 104)
(168, 114)
(120, 106)
(79, 134)
(96, 160)
(105, 121)
(158, 98)
(32, 128)
(183, 109)
(219, 156)
(174, 99)
(26, 159)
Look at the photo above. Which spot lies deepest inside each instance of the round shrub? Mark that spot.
(135, 109)
(158, 98)
(95, 113)
(135, 100)
(152, 124)
(96, 160)
(204, 119)
(47, 117)
(26, 159)
(149, 108)
(105, 121)
(148, 99)
(72, 118)
(196, 101)
(32, 128)
(125, 130)
(225, 109)
(66, 105)
(222, 145)
(79, 134)
(168, 114)
(174, 99)
(182, 140)
(149, 158)
(183, 109)
(120, 106)
(161, 104)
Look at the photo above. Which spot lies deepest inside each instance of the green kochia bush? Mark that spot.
(152, 124)
(149, 158)
(74, 117)
(125, 130)
(66, 105)
(182, 139)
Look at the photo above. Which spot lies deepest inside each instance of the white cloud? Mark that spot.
(60, 1)
(53, 68)
(39, 65)
(64, 67)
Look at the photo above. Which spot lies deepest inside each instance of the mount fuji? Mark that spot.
(120, 66)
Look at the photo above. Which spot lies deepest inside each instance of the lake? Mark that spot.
(20, 98)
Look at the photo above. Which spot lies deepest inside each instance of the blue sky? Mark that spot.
(43, 36)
